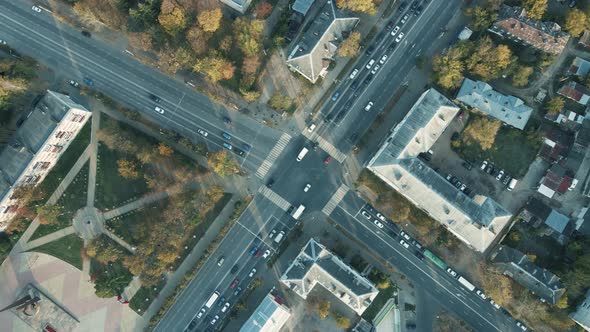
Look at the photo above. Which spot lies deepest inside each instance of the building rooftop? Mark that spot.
(316, 265)
(579, 67)
(576, 92)
(557, 221)
(475, 221)
(269, 316)
(302, 6)
(317, 46)
(519, 267)
(508, 109)
(582, 313)
(512, 22)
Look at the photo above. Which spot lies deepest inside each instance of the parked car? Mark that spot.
(521, 325)
(335, 95)
(36, 9)
(395, 31)
(506, 179)
(307, 187)
(467, 165)
(404, 243)
(214, 320)
(226, 120)
(381, 217)
(88, 81)
(368, 107)
(353, 74)
(86, 33)
(405, 235)
(375, 69)
(452, 272)
(366, 214)
(405, 18)
(481, 294)
(383, 59)
(377, 223)
(220, 261)
(500, 175)
(484, 165)
(257, 254)
(272, 233)
(370, 64)
(399, 37)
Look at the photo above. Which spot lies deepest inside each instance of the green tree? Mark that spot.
(172, 18)
(576, 22)
(483, 131)
(209, 20)
(222, 164)
(481, 18)
(127, 169)
(280, 102)
(448, 68)
(215, 68)
(535, 9)
(341, 321)
(324, 308)
(521, 76)
(248, 35)
(364, 6)
(197, 38)
(489, 61)
(144, 16)
(555, 105)
(350, 46)
(49, 214)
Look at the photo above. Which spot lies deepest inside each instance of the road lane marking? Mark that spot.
(273, 155)
(331, 149)
(274, 197)
(419, 268)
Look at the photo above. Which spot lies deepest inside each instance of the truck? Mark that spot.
(302, 154)
(298, 212)
(466, 284)
(279, 237)
(212, 299)
(434, 259)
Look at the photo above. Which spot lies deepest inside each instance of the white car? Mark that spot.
(214, 320)
(159, 110)
(395, 30)
(366, 215)
(481, 294)
(500, 175)
(311, 127)
(251, 274)
(202, 132)
(376, 222)
(201, 312)
(74, 84)
(404, 243)
(374, 71)
(225, 307)
(484, 165)
(381, 217)
(272, 233)
(573, 185)
(404, 235)
(368, 107)
(37, 9)
(452, 272)
(399, 38)
(494, 304)
(307, 187)
(370, 64)
(353, 74)
(405, 18)
(383, 59)
(266, 253)
(521, 325)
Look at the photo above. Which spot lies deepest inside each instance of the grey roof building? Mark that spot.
(582, 313)
(313, 52)
(482, 97)
(579, 67)
(476, 221)
(270, 315)
(513, 24)
(519, 267)
(239, 5)
(316, 265)
(302, 6)
(36, 146)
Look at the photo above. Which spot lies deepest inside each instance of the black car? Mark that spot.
(270, 182)
(192, 325)
(414, 5)
(391, 48)
(329, 117)
(155, 98)
(290, 209)
(467, 165)
(418, 11)
(368, 80)
(370, 50)
(390, 25)
(226, 120)
(339, 117)
(238, 290)
(235, 268)
(402, 6)
(86, 33)
(354, 85)
(238, 152)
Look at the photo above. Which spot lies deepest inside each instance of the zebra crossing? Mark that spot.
(335, 199)
(274, 197)
(331, 149)
(273, 155)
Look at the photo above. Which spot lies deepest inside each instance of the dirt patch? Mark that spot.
(277, 77)
(447, 322)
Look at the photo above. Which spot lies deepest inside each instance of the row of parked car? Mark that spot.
(499, 174)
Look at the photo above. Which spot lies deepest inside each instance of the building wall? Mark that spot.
(44, 160)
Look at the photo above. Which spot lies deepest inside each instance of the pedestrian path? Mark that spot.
(331, 149)
(335, 200)
(48, 238)
(93, 150)
(274, 197)
(146, 200)
(273, 155)
(119, 240)
(131, 289)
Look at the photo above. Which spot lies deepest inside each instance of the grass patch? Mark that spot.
(378, 303)
(72, 200)
(514, 150)
(131, 226)
(67, 249)
(112, 190)
(144, 297)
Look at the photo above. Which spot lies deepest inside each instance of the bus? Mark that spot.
(466, 284)
(298, 212)
(434, 259)
(212, 299)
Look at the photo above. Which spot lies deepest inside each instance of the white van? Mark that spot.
(302, 154)
(512, 184)
(279, 237)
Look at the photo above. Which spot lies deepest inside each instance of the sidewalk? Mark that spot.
(193, 257)
(48, 238)
(136, 204)
(93, 156)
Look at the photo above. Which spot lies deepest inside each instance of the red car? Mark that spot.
(234, 284)
(327, 160)
(258, 252)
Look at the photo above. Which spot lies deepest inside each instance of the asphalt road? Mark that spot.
(126, 80)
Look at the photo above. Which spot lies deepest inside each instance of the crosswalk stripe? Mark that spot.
(335, 199)
(274, 197)
(331, 149)
(273, 155)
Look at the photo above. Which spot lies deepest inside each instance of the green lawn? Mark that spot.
(112, 190)
(144, 297)
(131, 226)
(378, 303)
(514, 150)
(72, 200)
(68, 249)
